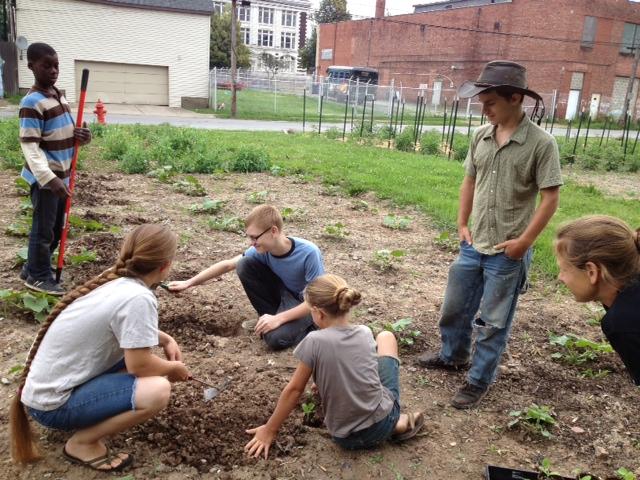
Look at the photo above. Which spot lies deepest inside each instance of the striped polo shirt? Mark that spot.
(45, 118)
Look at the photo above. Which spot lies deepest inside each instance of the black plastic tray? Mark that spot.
(501, 473)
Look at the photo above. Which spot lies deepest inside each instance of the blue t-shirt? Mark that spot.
(296, 268)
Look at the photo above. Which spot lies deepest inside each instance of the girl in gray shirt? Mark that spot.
(91, 369)
(358, 386)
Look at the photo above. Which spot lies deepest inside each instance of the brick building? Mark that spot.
(580, 52)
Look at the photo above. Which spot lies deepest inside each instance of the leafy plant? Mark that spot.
(446, 242)
(21, 256)
(207, 206)
(258, 197)
(190, 186)
(589, 373)
(576, 350)
(86, 224)
(384, 260)
(624, 474)
(404, 141)
(20, 227)
(249, 159)
(396, 222)
(336, 231)
(16, 370)
(360, 205)
(134, 159)
(36, 303)
(227, 224)
(546, 469)
(293, 214)
(331, 190)
(430, 143)
(22, 187)
(277, 171)
(308, 408)
(85, 256)
(401, 329)
(536, 418)
(163, 174)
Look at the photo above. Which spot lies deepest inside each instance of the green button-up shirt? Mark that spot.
(508, 179)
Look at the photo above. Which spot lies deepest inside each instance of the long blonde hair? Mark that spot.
(606, 241)
(145, 249)
(332, 294)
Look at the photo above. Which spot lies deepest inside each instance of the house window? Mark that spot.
(289, 18)
(244, 14)
(245, 36)
(265, 15)
(630, 38)
(265, 38)
(218, 8)
(589, 32)
(288, 40)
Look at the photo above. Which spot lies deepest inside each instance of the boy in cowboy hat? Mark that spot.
(509, 162)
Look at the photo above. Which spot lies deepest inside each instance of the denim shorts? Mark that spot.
(102, 397)
(374, 435)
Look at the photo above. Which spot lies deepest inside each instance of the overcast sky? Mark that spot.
(367, 8)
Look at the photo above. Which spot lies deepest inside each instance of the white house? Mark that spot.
(152, 52)
(278, 27)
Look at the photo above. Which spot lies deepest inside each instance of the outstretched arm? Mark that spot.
(214, 271)
(265, 434)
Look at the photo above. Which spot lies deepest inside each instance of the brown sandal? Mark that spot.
(96, 463)
(416, 422)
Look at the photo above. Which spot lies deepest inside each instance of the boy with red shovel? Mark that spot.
(47, 137)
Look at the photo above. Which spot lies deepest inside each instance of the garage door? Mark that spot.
(125, 83)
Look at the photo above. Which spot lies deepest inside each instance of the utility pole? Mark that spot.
(234, 19)
(632, 80)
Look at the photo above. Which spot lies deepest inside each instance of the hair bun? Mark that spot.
(347, 298)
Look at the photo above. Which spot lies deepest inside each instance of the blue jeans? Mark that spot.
(267, 294)
(374, 435)
(490, 284)
(46, 227)
(102, 397)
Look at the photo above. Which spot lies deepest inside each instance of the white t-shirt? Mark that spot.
(88, 338)
(345, 369)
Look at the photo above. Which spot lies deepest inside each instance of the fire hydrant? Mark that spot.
(101, 112)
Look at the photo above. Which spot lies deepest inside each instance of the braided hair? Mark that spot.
(145, 249)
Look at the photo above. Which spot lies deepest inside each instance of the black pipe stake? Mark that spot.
(320, 118)
(395, 125)
(633, 150)
(453, 104)
(628, 130)
(444, 120)
(609, 131)
(346, 111)
(373, 105)
(353, 112)
(453, 130)
(606, 120)
(416, 117)
(393, 103)
(586, 135)
(568, 132)
(364, 112)
(575, 145)
(422, 114)
(304, 109)
(402, 117)
(469, 126)
(553, 121)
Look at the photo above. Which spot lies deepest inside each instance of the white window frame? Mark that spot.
(245, 35)
(244, 14)
(263, 34)
(289, 18)
(265, 15)
(218, 8)
(288, 37)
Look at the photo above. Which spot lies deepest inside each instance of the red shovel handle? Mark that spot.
(72, 176)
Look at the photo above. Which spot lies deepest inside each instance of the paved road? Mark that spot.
(185, 118)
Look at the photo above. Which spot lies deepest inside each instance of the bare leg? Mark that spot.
(152, 395)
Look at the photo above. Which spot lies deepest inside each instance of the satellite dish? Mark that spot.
(22, 43)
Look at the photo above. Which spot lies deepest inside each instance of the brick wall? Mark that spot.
(100, 33)
(412, 49)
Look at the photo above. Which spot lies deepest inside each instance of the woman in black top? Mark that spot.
(599, 259)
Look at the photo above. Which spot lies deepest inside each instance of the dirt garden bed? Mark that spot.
(597, 429)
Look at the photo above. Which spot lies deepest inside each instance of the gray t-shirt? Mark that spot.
(88, 338)
(345, 369)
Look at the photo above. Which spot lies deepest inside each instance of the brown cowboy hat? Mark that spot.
(499, 73)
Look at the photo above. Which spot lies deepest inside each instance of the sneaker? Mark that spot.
(469, 396)
(49, 286)
(24, 274)
(433, 360)
(250, 324)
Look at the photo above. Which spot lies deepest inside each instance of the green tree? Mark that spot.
(331, 11)
(220, 45)
(307, 54)
(271, 63)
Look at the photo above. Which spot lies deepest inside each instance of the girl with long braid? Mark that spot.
(91, 369)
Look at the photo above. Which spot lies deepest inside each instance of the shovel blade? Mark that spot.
(210, 393)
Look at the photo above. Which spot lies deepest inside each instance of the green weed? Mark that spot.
(34, 303)
(336, 231)
(22, 186)
(293, 214)
(190, 186)
(401, 329)
(227, 224)
(445, 241)
(249, 159)
(396, 222)
(624, 474)
(85, 256)
(385, 260)
(258, 197)
(536, 419)
(207, 206)
(87, 225)
(164, 174)
(576, 350)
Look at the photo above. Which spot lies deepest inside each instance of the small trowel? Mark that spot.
(212, 391)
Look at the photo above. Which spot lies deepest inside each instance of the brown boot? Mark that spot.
(468, 396)
(433, 360)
